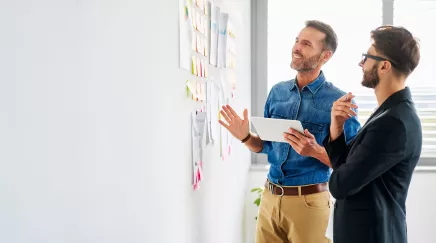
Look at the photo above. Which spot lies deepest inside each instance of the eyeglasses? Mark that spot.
(365, 57)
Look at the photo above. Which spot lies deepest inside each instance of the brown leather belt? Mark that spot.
(295, 190)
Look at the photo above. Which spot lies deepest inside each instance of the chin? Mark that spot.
(366, 85)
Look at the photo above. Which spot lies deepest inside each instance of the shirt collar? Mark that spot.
(313, 86)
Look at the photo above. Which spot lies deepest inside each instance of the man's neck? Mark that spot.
(305, 78)
(385, 89)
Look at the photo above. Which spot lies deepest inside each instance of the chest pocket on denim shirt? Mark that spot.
(318, 130)
(280, 150)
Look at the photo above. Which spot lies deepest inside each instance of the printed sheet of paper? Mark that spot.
(209, 139)
(198, 125)
(225, 84)
(212, 110)
(223, 131)
(222, 39)
(215, 13)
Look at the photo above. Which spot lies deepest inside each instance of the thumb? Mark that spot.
(348, 97)
(245, 115)
(308, 134)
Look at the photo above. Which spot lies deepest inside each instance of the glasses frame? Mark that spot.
(365, 57)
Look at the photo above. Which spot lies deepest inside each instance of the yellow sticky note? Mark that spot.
(188, 92)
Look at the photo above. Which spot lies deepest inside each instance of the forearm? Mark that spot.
(254, 143)
(335, 132)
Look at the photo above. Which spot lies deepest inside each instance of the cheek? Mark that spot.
(366, 67)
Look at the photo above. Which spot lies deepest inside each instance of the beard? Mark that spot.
(371, 78)
(306, 64)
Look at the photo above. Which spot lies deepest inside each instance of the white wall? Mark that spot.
(256, 178)
(95, 127)
(421, 211)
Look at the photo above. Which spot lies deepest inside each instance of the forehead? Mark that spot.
(311, 34)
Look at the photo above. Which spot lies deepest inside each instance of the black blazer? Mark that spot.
(371, 175)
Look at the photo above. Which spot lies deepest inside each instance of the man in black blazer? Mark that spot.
(371, 174)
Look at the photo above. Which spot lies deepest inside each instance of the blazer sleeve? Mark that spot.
(381, 148)
(336, 150)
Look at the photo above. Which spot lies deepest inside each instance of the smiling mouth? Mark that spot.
(297, 56)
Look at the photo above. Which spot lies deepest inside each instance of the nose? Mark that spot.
(360, 64)
(297, 48)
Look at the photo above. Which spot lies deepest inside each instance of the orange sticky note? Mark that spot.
(198, 67)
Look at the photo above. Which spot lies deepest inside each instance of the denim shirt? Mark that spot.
(311, 106)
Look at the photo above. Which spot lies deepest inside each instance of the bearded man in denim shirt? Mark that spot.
(295, 205)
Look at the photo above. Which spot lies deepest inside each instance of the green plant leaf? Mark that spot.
(255, 189)
(258, 190)
(257, 202)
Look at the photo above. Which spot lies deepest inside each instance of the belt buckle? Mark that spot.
(283, 191)
(271, 189)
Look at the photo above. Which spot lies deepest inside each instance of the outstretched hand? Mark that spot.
(238, 127)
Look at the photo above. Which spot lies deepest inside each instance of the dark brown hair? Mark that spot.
(331, 40)
(399, 46)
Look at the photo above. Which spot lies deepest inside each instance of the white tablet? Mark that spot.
(270, 129)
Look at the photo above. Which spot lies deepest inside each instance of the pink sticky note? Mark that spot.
(201, 68)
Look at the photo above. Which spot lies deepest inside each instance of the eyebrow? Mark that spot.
(304, 41)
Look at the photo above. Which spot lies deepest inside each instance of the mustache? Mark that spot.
(298, 53)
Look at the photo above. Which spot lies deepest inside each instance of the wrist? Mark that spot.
(334, 130)
(318, 152)
(321, 154)
(335, 126)
(246, 138)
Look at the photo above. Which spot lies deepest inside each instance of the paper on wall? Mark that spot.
(185, 34)
(222, 39)
(213, 56)
(198, 126)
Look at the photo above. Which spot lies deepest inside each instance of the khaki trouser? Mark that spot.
(293, 219)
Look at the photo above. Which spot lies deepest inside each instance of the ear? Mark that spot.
(385, 67)
(326, 55)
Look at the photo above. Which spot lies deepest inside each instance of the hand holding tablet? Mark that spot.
(271, 129)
